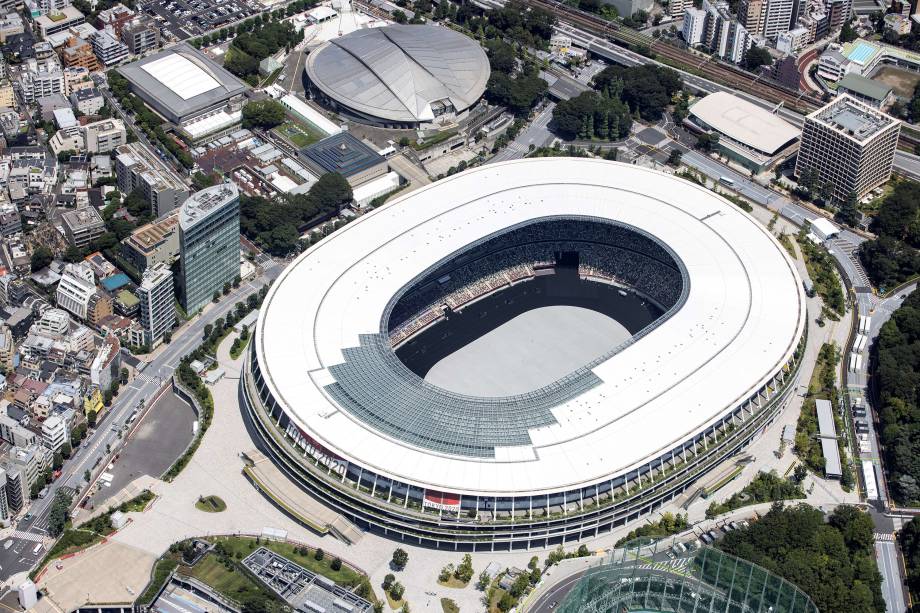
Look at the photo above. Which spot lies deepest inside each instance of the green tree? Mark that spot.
(41, 257)
(848, 214)
(264, 114)
(73, 254)
(755, 57)
(400, 559)
(58, 513)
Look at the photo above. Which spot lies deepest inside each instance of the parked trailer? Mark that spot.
(863, 341)
(855, 361)
(859, 342)
(868, 470)
(864, 323)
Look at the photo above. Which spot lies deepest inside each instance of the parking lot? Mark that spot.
(160, 438)
(182, 19)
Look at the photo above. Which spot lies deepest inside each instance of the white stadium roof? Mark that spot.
(745, 122)
(183, 77)
(740, 324)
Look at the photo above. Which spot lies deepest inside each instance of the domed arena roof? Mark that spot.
(398, 72)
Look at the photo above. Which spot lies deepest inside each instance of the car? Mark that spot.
(27, 516)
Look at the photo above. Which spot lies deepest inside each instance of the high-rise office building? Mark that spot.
(158, 309)
(848, 145)
(209, 244)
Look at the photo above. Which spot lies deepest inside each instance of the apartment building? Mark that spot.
(154, 243)
(40, 78)
(78, 52)
(141, 35)
(109, 50)
(158, 309)
(76, 289)
(82, 226)
(138, 168)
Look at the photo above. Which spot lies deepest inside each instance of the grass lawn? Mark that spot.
(245, 546)
(231, 583)
(299, 134)
(453, 582)
(211, 504)
(139, 502)
(238, 346)
(395, 604)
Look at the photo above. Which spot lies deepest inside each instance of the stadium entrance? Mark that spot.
(527, 335)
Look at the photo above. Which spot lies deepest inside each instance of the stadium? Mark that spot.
(399, 76)
(523, 354)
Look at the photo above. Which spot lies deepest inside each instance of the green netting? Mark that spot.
(655, 576)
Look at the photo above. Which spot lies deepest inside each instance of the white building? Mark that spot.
(104, 136)
(778, 17)
(54, 323)
(793, 41)
(40, 78)
(76, 289)
(28, 595)
(109, 50)
(158, 309)
(54, 433)
(694, 26)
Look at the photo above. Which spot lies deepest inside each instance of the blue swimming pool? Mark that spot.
(861, 52)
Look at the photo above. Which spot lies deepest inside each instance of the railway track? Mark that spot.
(716, 71)
(681, 58)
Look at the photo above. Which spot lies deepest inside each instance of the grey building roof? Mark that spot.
(867, 88)
(181, 81)
(342, 153)
(398, 71)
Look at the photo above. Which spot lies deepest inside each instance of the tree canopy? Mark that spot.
(757, 57)
(647, 89)
(893, 256)
(275, 225)
(41, 257)
(592, 115)
(519, 93)
(266, 114)
(898, 381)
(833, 562)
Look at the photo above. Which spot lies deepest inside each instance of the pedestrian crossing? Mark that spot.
(887, 537)
(145, 378)
(26, 536)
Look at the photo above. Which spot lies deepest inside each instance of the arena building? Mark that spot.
(748, 134)
(681, 339)
(186, 88)
(399, 76)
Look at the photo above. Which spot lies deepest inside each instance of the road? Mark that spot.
(109, 431)
(906, 164)
(536, 133)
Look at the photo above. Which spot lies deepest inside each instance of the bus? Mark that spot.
(727, 181)
(868, 470)
(38, 548)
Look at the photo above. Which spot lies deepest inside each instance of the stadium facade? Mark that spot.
(399, 76)
(340, 412)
